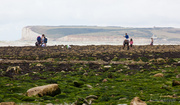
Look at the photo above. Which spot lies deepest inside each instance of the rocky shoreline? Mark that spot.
(111, 74)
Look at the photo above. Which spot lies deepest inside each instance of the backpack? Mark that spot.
(45, 40)
(39, 39)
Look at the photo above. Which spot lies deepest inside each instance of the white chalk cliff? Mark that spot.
(28, 34)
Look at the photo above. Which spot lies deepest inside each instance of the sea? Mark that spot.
(83, 43)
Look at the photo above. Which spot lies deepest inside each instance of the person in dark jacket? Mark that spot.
(126, 41)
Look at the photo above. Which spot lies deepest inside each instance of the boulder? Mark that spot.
(86, 101)
(174, 83)
(159, 75)
(50, 59)
(89, 86)
(51, 89)
(39, 64)
(137, 101)
(86, 74)
(160, 60)
(178, 76)
(104, 80)
(91, 96)
(13, 69)
(107, 66)
(7, 103)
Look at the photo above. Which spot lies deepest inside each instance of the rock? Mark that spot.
(9, 85)
(89, 99)
(122, 98)
(89, 86)
(96, 74)
(108, 66)
(120, 70)
(37, 58)
(50, 59)
(50, 104)
(167, 66)
(97, 84)
(166, 87)
(39, 64)
(163, 71)
(63, 71)
(179, 62)
(141, 67)
(178, 76)
(86, 101)
(77, 84)
(91, 96)
(104, 80)
(51, 89)
(175, 83)
(7, 103)
(137, 101)
(86, 74)
(79, 101)
(14, 69)
(161, 60)
(159, 75)
(152, 60)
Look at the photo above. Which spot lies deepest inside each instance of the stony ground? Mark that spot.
(113, 74)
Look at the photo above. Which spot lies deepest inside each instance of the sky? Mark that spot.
(16, 14)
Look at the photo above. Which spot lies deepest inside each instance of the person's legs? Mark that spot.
(124, 43)
(127, 45)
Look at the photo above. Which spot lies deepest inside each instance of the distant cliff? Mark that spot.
(95, 33)
(28, 34)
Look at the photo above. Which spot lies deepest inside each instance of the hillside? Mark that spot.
(68, 33)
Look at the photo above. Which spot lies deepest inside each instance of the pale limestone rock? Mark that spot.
(16, 69)
(51, 89)
(89, 86)
(104, 80)
(159, 75)
(7, 103)
(108, 66)
(39, 64)
(50, 59)
(178, 76)
(137, 101)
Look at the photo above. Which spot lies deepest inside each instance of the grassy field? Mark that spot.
(113, 74)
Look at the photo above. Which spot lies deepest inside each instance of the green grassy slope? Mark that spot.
(61, 31)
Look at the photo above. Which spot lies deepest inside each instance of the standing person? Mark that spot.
(151, 41)
(43, 40)
(126, 41)
(131, 42)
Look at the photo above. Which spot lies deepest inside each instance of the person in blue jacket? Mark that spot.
(38, 43)
(126, 41)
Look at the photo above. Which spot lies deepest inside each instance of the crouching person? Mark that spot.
(38, 43)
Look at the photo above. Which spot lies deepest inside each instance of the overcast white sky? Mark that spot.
(16, 14)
